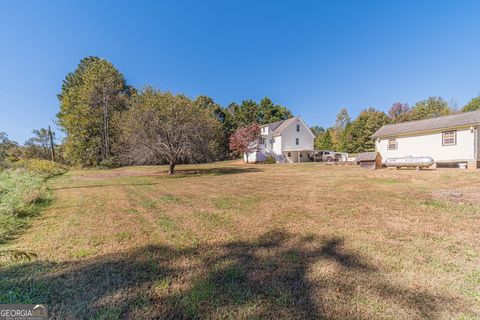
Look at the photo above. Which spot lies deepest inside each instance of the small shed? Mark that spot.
(369, 160)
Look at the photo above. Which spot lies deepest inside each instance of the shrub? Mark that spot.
(43, 167)
(21, 196)
(270, 160)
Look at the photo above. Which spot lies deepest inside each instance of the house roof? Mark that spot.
(273, 125)
(282, 126)
(367, 156)
(453, 120)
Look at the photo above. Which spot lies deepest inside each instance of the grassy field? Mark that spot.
(254, 241)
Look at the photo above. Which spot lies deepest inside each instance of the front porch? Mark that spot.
(297, 156)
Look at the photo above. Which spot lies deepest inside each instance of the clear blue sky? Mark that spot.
(314, 57)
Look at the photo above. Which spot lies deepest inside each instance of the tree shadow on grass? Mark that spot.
(270, 277)
(179, 173)
(213, 171)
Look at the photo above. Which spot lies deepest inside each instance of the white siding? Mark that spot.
(290, 134)
(430, 145)
(277, 145)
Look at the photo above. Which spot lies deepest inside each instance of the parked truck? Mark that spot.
(330, 156)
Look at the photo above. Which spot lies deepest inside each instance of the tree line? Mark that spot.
(109, 122)
(354, 136)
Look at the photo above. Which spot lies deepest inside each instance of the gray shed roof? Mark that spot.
(367, 156)
(453, 120)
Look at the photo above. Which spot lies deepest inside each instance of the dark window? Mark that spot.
(298, 128)
(296, 141)
(289, 154)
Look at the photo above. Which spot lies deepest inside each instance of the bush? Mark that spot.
(21, 196)
(270, 160)
(43, 167)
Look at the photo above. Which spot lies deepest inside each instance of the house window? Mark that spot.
(262, 141)
(392, 144)
(449, 138)
(296, 141)
(289, 154)
(298, 128)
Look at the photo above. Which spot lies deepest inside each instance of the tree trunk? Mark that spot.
(246, 156)
(171, 168)
(105, 127)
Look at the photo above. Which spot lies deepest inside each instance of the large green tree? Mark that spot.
(270, 112)
(472, 105)
(429, 108)
(250, 112)
(90, 97)
(358, 133)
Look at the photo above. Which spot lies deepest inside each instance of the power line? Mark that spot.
(27, 112)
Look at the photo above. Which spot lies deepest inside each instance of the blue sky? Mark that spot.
(314, 57)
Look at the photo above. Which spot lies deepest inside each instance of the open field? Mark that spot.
(254, 241)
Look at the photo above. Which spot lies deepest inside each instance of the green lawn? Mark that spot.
(254, 241)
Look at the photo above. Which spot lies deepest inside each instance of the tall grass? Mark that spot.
(22, 194)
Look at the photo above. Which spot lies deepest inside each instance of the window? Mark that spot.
(449, 138)
(298, 128)
(289, 154)
(262, 140)
(296, 141)
(392, 144)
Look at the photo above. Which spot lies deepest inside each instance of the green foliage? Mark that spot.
(249, 112)
(317, 130)
(38, 146)
(429, 108)
(21, 196)
(165, 128)
(324, 141)
(224, 116)
(269, 160)
(338, 130)
(472, 105)
(358, 133)
(43, 167)
(90, 97)
(6, 148)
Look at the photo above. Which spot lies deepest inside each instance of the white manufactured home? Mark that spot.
(288, 141)
(449, 140)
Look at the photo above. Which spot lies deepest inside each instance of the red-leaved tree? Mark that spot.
(244, 139)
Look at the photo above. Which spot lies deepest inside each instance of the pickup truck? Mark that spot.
(328, 156)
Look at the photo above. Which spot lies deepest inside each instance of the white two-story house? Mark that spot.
(288, 141)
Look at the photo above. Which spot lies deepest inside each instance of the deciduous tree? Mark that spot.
(398, 112)
(472, 105)
(358, 133)
(166, 128)
(38, 146)
(429, 108)
(323, 141)
(244, 139)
